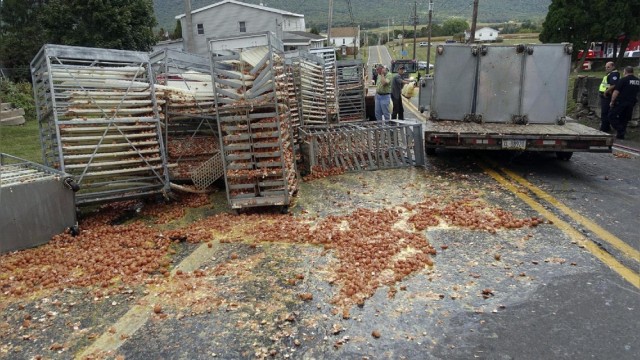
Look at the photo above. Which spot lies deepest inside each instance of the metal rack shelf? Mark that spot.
(184, 83)
(99, 121)
(363, 146)
(254, 120)
(351, 89)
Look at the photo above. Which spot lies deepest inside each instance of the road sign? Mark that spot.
(404, 52)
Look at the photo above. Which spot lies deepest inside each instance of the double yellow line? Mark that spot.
(628, 274)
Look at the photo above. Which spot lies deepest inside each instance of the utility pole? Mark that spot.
(415, 24)
(402, 40)
(188, 30)
(388, 33)
(472, 36)
(330, 23)
(429, 38)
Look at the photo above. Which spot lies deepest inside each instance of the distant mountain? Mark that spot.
(374, 13)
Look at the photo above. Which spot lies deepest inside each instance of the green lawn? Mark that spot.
(22, 141)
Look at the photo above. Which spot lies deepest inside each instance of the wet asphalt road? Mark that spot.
(551, 298)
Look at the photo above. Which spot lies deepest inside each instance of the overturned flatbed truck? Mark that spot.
(504, 98)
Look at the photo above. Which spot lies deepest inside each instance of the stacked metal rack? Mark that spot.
(363, 146)
(254, 120)
(328, 55)
(292, 71)
(351, 89)
(313, 90)
(190, 129)
(99, 121)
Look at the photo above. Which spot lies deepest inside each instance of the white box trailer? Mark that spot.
(504, 97)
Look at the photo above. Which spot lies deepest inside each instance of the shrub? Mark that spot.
(20, 94)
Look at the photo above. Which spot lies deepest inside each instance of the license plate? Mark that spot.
(514, 144)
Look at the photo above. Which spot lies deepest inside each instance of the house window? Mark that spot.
(200, 29)
(243, 26)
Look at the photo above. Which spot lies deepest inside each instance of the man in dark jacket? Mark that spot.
(623, 99)
(396, 93)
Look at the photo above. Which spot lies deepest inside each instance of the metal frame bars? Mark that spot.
(183, 81)
(254, 120)
(363, 146)
(99, 121)
(350, 88)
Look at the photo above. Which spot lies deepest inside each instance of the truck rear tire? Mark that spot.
(431, 151)
(564, 155)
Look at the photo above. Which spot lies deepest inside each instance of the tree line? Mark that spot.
(26, 25)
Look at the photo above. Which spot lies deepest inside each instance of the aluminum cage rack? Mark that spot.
(183, 82)
(99, 121)
(254, 120)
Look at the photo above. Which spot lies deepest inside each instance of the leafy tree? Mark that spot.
(113, 24)
(177, 32)
(21, 35)
(454, 26)
(575, 21)
(314, 30)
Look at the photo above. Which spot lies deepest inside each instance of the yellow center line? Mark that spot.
(628, 274)
(139, 314)
(603, 234)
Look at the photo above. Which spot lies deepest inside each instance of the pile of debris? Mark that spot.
(10, 115)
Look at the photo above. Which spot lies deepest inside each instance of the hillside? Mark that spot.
(374, 13)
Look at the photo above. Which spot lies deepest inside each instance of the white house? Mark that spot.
(230, 17)
(484, 34)
(346, 36)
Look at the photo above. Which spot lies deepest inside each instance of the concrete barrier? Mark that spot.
(585, 92)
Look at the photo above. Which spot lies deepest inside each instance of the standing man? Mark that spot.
(383, 98)
(606, 88)
(623, 99)
(396, 93)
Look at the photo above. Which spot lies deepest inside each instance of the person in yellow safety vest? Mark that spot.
(606, 88)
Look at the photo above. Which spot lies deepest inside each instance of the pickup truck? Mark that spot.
(504, 97)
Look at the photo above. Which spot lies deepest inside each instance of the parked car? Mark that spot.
(450, 41)
(423, 43)
(422, 65)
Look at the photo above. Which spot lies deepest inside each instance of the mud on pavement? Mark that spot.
(368, 265)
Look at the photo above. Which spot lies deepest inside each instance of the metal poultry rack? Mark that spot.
(189, 124)
(328, 55)
(99, 121)
(254, 120)
(292, 71)
(363, 146)
(313, 90)
(351, 89)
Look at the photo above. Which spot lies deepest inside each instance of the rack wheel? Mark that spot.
(284, 209)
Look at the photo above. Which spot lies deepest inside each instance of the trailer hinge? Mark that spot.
(434, 116)
(475, 118)
(561, 120)
(568, 48)
(520, 119)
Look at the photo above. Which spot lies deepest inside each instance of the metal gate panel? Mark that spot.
(545, 87)
(453, 97)
(499, 80)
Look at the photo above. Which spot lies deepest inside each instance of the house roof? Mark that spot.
(487, 28)
(344, 32)
(301, 37)
(306, 35)
(278, 11)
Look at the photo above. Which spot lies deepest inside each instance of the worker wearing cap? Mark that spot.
(606, 88)
(396, 93)
(383, 94)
